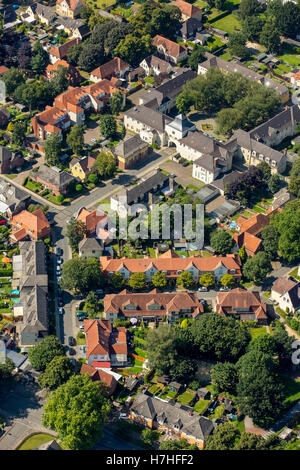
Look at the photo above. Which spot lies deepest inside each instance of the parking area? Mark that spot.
(183, 174)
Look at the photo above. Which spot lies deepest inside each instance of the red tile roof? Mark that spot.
(240, 301)
(187, 9)
(98, 374)
(3, 69)
(110, 68)
(62, 51)
(172, 48)
(35, 221)
(73, 4)
(102, 339)
(91, 219)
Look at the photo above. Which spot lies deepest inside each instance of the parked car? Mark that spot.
(72, 352)
(81, 327)
(59, 251)
(99, 291)
(123, 416)
(272, 301)
(202, 289)
(71, 341)
(2, 222)
(61, 311)
(224, 289)
(59, 261)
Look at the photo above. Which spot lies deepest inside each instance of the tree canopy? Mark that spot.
(82, 274)
(46, 350)
(57, 372)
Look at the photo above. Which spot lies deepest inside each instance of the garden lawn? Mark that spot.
(292, 388)
(201, 406)
(229, 23)
(140, 352)
(290, 54)
(34, 441)
(80, 341)
(186, 397)
(294, 273)
(255, 332)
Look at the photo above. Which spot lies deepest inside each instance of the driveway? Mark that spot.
(183, 174)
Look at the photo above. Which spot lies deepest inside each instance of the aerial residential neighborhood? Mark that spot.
(150, 225)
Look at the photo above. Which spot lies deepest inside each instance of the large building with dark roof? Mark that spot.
(176, 420)
(53, 178)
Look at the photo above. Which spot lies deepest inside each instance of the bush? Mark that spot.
(60, 198)
(79, 187)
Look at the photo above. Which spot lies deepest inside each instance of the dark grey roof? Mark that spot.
(174, 86)
(160, 410)
(190, 26)
(225, 180)
(148, 116)
(283, 120)
(44, 11)
(17, 358)
(35, 312)
(243, 139)
(51, 445)
(12, 195)
(71, 24)
(90, 244)
(149, 184)
(206, 145)
(154, 61)
(53, 175)
(125, 148)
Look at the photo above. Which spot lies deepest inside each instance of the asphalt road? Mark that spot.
(111, 441)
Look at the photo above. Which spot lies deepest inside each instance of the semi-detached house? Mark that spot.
(173, 265)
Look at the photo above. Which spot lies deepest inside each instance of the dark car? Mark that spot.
(71, 341)
(59, 251)
(72, 352)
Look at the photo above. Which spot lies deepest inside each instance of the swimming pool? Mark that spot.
(14, 292)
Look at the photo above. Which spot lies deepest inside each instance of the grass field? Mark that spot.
(292, 388)
(34, 441)
(255, 332)
(229, 23)
(201, 406)
(290, 54)
(294, 273)
(186, 397)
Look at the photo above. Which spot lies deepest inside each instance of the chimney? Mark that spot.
(171, 183)
(150, 199)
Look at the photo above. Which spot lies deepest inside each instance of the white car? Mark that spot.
(94, 140)
(59, 261)
(81, 327)
(60, 311)
(202, 289)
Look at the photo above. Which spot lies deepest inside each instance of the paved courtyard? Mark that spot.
(183, 174)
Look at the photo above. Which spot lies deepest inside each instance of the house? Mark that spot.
(178, 129)
(286, 292)
(72, 73)
(4, 117)
(31, 279)
(39, 12)
(69, 8)
(74, 28)
(281, 198)
(222, 183)
(149, 124)
(32, 225)
(51, 121)
(146, 192)
(172, 265)
(152, 306)
(250, 230)
(61, 52)
(10, 160)
(106, 346)
(3, 70)
(100, 375)
(163, 97)
(113, 68)
(203, 394)
(90, 248)
(170, 50)
(154, 65)
(172, 419)
(253, 152)
(131, 151)
(54, 179)
(189, 29)
(278, 128)
(94, 221)
(100, 92)
(188, 10)
(202, 37)
(235, 66)
(241, 305)
(295, 79)
(75, 102)
(12, 199)
(81, 168)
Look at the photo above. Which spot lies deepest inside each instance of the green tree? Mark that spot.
(57, 372)
(260, 389)
(159, 280)
(149, 437)
(227, 280)
(137, 281)
(266, 169)
(74, 53)
(91, 56)
(183, 103)
(116, 101)
(12, 79)
(105, 164)
(250, 441)
(224, 377)
(93, 178)
(287, 223)
(265, 344)
(40, 58)
(256, 268)
(108, 126)
(46, 350)
(243, 254)
(274, 183)
(185, 279)
(82, 275)
(269, 36)
(52, 149)
(237, 45)
(75, 139)
(176, 444)
(249, 8)
(220, 338)
(92, 305)
(160, 345)
(76, 229)
(222, 242)
(19, 133)
(6, 370)
(134, 49)
(117, 280)
(207, 280)
(270, 238)
(252, 26)
(76, 411)
(196, 57)
(224, 437)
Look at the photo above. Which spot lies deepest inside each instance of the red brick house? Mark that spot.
(114, 68)
(242, 305)
(30, 225)
(99, 374)
(51, 121)
(53, 179)
(10, 160)
(60, 52)
(72, 73)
